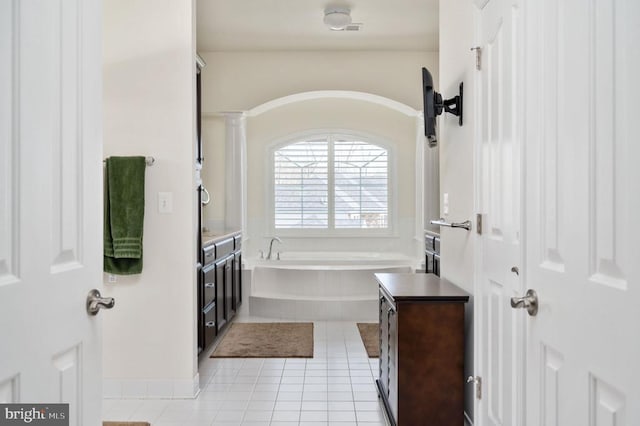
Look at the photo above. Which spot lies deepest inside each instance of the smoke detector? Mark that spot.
(337, 18)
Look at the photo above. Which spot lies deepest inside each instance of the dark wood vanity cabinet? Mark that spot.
(219, 292)
(421, 370)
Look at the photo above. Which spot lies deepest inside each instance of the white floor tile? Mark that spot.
(340, 396)
(288, 406)
(286, 416)
(225, 415)
(289, 396)
(365, 396)
(313, 416)
(316, 387)
(296, 387)
(369, 416)
(315, 406)
(342, 416)
(266, 387)
(340, 406)
(261, 405)
(368, 406)
(314, 396)
(335, 388)
(257, 415)
(264, 396)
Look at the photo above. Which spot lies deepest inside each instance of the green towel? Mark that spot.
(123, 215)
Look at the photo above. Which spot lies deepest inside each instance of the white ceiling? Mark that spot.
(228, 25)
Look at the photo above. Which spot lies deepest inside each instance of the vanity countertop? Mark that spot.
(212, 236)
(423, 287)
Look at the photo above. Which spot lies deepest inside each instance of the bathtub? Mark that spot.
(321, 285)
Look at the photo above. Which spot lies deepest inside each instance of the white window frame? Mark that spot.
(331, 231)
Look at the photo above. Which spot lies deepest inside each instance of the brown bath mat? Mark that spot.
(370, 335)
(267, 340)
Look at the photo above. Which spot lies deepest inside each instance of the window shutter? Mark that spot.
(361, 184)
(301, 189)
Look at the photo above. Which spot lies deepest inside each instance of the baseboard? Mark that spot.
(151, 389)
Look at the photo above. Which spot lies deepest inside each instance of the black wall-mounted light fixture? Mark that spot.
(434, 105)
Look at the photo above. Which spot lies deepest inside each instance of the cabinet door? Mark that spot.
(384, 345)
(237, 280)
(221, 318)
(200, 306)
(229, 309)
(392, 319)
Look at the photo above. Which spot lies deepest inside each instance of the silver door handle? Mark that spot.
(95, 302)
(528, 302)
(464, 225)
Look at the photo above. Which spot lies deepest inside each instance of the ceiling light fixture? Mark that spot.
(337, 18)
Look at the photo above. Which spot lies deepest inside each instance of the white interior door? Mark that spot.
(582, 207)
(501, 333)
(50, 203)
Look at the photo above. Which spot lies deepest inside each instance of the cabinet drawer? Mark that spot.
(208, 284)
(429, 242)
(209, 323)
(208, 255)
(224, 248)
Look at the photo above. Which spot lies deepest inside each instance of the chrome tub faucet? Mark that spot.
(271, 246)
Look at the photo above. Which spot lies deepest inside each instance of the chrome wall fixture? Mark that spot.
(442, 222)
(150, 161)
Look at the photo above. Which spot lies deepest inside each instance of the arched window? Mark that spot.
(331, 181)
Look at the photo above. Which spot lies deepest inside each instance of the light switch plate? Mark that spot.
(445, 203)
(165, 202)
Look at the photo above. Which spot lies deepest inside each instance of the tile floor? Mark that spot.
(334, 388)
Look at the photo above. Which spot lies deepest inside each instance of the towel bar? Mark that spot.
(465, 225)
(149, 160)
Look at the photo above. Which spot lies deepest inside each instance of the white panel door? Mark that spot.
(582, 205)
(499, 116)
(50, 203)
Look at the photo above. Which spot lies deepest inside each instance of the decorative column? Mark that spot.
(235, 152)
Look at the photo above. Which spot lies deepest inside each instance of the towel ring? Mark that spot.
(208, 199)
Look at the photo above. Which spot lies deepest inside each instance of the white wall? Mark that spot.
(360, 116)
(213, 171)
(240, 81)
(457, 64)
(150, 335)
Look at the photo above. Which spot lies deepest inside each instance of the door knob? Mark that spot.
(515, 270)
(528, 302)
(95, 302)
